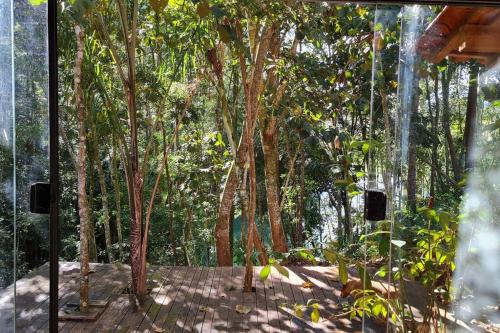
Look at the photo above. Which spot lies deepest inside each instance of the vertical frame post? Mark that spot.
(54, 168)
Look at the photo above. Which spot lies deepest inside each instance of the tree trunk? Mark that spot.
(300, 204)
(432, 187)
(247, 287)
(269, 135)
(445, 81)
(470, 118)
(170, 211)
(412, 144)
(347, 217)
(82, 174)
(137, 259)
(105, 207)
(222, 234)
(92, 242)
(117, 192)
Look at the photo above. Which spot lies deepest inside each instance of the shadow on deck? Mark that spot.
(182, 299)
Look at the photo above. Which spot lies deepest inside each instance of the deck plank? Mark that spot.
(162, 313)
(190, 299)
(199, 311)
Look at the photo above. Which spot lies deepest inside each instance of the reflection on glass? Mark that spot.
(23, 161)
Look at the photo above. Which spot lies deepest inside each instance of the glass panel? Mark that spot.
(7, 195)
(24, 283)
(478, 249)
(434, 150)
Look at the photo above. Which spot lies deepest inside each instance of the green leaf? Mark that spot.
(444, 219)
(264, 273)
(282, 270)
(307, 255)
(364, 276)
(342, 271)
(330, 255)
(377, 309)
(382, 272)
(365, 148)
(373, 234)
(37, 2)
(398, 243)
(315, 315)
(299, 312)
(360, 174)
(312, 302)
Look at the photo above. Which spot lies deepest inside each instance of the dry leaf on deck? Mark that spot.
(243, 309)
(159, 330)
(229, 288)
(204, 308)
(307, 284)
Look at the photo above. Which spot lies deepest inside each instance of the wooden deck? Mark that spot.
(183, 299)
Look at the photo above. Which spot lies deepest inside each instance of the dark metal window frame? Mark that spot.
(54, 130)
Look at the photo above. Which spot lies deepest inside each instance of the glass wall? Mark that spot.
(437, 112)
(23, 160)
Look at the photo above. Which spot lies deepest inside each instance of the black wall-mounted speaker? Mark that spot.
(375, 205)
(40, 198)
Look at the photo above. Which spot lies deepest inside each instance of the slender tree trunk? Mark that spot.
(117, 192)
(300, 205)
(436, 126)
(170, 211)
(92, 242)
(412, 144)
(470, 118)
(222, 234)
(82, 174)
(138, 264)
(247, 287)
(432, 186)
(269, 135)
(105, 208)
(347, 217)
(253, 87)
(445, 81)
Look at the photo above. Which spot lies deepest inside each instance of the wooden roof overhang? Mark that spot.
(463, 33)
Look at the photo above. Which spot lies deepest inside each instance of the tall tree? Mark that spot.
(82, 172)
(470, 117)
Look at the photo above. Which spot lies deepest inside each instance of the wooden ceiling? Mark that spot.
(463, 33)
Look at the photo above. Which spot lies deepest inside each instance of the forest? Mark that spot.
(246, 133)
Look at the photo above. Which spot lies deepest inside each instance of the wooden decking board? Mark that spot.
(183, 302)
(71, 294)
(219, 304)
(103, 284)
(146, 321)
(199, 310)
(212, 304)
(191, 299)
(34, 307)
(197, 300)
(170, 317)
(137, 310)
(167, 302)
